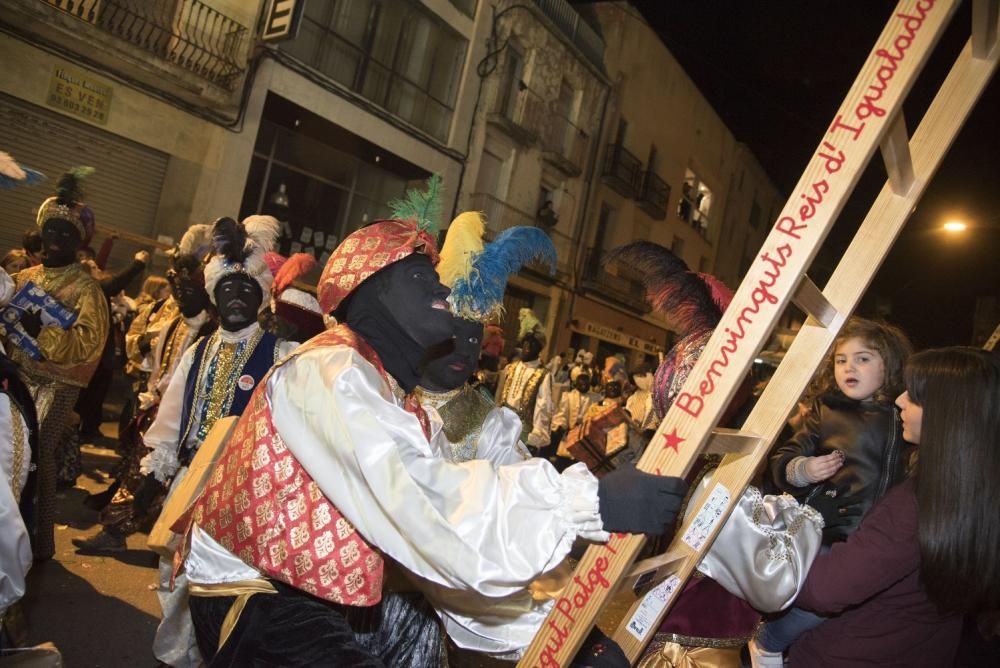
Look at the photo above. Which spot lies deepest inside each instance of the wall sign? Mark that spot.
(612, 335)
(282, 19)
(80, 94)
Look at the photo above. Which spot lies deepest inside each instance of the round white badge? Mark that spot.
(245, 383)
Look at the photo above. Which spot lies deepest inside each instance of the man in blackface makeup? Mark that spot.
(68, 357)
(332, 469)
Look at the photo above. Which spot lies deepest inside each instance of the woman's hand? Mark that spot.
(822, 468)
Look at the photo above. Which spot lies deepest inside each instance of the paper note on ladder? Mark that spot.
(652, 603)
(701, 527)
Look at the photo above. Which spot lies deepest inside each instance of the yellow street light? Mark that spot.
(954, 226)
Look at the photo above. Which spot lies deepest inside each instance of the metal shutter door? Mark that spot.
(124, 192)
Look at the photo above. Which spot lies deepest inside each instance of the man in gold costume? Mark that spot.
(66, 357)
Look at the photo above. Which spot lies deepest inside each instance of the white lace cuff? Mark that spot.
(161, 462)
(580, 507)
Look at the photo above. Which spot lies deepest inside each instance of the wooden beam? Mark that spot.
(984, 27)
(810, 299)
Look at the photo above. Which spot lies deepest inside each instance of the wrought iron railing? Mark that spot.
(501, 216)
(622, 170)
(653, 195)
(619, 282)
(188, 33)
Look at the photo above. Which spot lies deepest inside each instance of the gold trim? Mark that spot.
(17, 426)
(242, 590)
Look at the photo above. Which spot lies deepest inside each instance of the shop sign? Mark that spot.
(619, 338)
(282, 20)
(80, 94)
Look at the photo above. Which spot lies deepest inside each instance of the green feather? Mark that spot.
(69, 189)
(421, 206)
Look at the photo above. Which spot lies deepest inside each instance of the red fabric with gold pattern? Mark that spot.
(264, 507)
(366, 251)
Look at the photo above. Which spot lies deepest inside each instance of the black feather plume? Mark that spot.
(230, 239)
(671, 287)
(70, 186)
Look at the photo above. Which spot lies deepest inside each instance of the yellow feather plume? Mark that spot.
(463, 242)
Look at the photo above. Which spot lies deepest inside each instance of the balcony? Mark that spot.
(520, 113)
(501, 216)
(653, 196)
(618, 283)
(563, 145)
(622, 171)
(186, 33)
(576, 30)
(687, 211)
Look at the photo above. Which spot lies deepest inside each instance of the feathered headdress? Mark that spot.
(187, 258)
(291, 304)
(481, 271)
(529, 324)
(423, 207)
(693, 302)
(13, 174)
(686, 298)
(240, 248)
(67, 204)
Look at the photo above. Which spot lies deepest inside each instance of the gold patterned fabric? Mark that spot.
(661, 654)
(149, 322)
(520, 391)
(463, 412)
(70, 356)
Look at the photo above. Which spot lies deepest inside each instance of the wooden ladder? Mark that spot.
(870, 117)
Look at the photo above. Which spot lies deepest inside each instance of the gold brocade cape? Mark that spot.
(521, 386)
(71, 355)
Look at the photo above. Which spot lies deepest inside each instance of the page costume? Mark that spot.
(69, 356)
(343, 467)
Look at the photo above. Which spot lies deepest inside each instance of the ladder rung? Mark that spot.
(650, 572)
(810, 299)
(984, 27)
(897, 157)
(731, 442)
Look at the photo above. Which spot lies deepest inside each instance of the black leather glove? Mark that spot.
(635, 502)
(599, 651)
(836, 508)
(146, 494)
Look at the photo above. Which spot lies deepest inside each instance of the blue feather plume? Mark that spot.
(480, 294)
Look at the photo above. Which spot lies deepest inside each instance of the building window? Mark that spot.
(696, 203)
(510, 81)
(394, 52)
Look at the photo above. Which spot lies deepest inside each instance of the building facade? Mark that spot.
(188, 115)
(669, 171)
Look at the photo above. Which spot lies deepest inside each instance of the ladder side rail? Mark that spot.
(830, 176)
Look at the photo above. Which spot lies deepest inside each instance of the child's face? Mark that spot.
(858, 369)
(912, 416)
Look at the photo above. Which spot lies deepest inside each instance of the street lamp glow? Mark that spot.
(954, 226)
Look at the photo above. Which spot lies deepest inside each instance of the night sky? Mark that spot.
(776, 72)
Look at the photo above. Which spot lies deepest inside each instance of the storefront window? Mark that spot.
(320, 193)
(394, 52)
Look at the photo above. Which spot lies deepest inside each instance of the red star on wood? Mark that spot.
(672, 440)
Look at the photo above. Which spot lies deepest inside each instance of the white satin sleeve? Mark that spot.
(464, 526)
(541, 435)
(163, 435)
(15, 546)
(499, 440)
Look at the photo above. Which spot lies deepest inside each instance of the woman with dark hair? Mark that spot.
(926, 553)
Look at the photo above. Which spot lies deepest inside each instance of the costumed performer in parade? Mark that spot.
(18, 440)
(66, 357)
(332, 467)
(171, 326)
(525, 386)
(715, 616)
